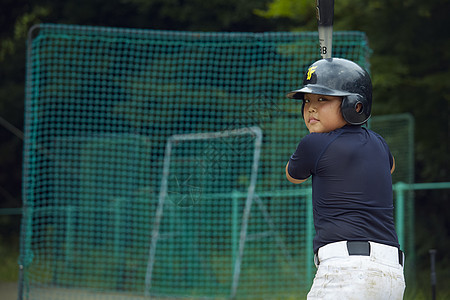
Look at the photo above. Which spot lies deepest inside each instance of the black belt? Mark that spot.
(363, 248)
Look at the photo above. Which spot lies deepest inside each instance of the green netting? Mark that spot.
(101, 107)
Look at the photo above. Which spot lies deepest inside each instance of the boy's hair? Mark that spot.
(343, 78)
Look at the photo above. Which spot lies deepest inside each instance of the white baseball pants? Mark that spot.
(345, 277)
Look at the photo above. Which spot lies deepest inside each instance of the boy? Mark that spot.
(356, 247)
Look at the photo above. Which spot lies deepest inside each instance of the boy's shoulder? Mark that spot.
(319, 139)
(347, 131)
(326, 135)
(319, 136)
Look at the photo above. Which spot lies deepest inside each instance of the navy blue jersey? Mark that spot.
(351, 185)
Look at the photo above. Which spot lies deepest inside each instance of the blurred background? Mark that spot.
(409, 65)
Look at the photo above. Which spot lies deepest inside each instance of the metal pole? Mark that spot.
(433, 273)
(400, 212)
(309, 234)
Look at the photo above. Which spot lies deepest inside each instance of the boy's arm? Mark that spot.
(291, 179)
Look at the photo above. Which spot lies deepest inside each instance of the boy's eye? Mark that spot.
(306, 101)
(322, 99)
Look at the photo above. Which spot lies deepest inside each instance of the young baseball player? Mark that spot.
(356, 247)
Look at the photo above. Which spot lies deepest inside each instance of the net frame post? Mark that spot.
(309, 235)
(28, 209)
(254, 131)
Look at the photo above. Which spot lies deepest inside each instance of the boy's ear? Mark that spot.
(359, 107)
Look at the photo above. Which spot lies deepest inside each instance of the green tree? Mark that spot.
(14, 26)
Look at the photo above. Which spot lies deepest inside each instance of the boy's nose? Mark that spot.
(312, 108)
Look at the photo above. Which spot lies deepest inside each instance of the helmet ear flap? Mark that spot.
(350, 112)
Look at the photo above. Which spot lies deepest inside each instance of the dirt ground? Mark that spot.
(8, 290)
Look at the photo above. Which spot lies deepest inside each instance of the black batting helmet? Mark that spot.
(339, 77)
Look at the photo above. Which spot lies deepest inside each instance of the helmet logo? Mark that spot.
(310, 72)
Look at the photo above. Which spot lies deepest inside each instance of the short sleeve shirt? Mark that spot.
(351, 185)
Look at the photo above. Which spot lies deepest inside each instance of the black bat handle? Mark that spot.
(325, 12)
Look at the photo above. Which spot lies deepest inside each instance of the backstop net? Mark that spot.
(109, 213)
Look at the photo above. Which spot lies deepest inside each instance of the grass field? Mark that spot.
(9, 257)
(9, 253)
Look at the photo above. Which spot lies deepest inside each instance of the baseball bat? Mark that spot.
(325, 16)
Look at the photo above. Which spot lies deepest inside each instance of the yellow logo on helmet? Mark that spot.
(310, 72)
